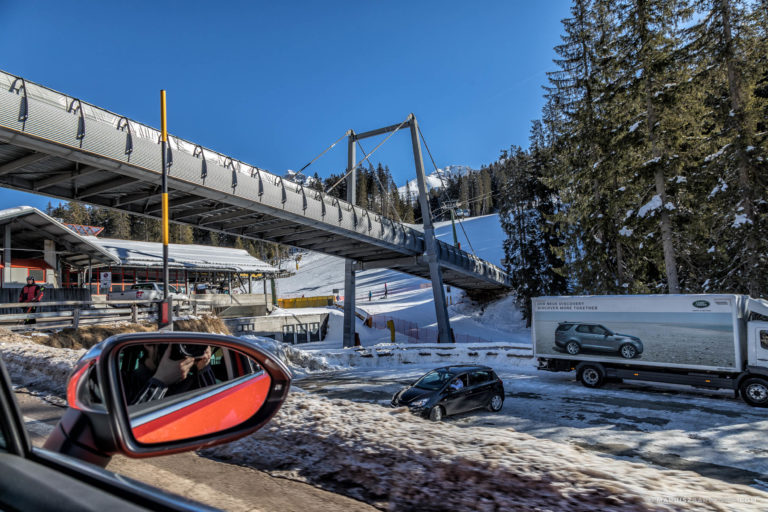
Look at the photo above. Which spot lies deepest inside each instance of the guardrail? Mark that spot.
(76, 313)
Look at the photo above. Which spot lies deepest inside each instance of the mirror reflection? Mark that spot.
(176, 390)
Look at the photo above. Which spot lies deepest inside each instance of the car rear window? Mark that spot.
(584, 328)
(564, 327)
(479, 377)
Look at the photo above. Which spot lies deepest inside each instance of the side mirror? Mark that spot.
(147, 394)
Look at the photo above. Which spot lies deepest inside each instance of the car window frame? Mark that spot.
(15, 436)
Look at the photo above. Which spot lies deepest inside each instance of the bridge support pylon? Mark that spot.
(349, 268)
(430, 243)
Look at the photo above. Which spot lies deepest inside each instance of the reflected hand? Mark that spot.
(202, 361)
(170, 372)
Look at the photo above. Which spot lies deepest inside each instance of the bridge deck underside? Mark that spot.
(60, 178)
(47, 152)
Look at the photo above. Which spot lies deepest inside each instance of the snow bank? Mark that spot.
(392, 458)
(389, 354)
(38, 366)
(299, 361)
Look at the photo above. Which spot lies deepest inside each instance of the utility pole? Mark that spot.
(451, 205)
(165, 317)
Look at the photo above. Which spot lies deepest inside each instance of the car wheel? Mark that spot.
(436, 413)
(628, 351)
(572, 348)
(496, 403)
(591, 376)
(754, 391)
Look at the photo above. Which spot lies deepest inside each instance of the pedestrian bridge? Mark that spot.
(60, 146)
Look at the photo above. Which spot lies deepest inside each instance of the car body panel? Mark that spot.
(206, 415)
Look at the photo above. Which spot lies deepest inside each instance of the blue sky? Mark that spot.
(274, 83)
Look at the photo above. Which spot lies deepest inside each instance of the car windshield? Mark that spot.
(433, 380)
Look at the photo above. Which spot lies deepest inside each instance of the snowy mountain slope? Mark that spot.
(409, 298)
(433, 180)
(299, 177)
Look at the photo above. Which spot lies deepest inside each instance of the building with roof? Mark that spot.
(191, 267)
(66, 257)
(37, 245)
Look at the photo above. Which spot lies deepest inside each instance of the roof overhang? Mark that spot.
(29, 226)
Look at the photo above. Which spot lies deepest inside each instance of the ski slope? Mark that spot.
(409, 298)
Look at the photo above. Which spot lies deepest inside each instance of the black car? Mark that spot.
(452, 390)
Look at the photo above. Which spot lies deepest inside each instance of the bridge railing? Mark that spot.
(89, 112)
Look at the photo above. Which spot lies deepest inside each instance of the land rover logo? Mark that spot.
(701, 304)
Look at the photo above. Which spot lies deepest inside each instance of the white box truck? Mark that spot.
(711, 341)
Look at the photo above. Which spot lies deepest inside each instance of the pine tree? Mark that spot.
(527, 207)
(575, 91)
(181, 234)
(728, 47)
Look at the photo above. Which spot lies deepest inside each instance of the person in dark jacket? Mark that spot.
(31, 293)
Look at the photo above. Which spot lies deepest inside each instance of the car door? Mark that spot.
(602, 339)
(479, 389)
(33, 479)
(457, 399)
(585, 336)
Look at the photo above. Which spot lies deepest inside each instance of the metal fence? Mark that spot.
(19, 316)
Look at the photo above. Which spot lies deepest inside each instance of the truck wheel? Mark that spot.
(591, 376)
(754, 391)
(627, 351)
(572, 348)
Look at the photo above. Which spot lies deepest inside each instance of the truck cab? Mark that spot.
(754, 384)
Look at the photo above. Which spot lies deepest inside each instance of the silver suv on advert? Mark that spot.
(575, 337)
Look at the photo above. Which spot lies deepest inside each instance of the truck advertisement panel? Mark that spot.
(679, 330)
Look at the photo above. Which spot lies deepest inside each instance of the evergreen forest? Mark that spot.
(647, 170)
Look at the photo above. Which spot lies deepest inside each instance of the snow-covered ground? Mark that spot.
(674, 427)
(399, 462)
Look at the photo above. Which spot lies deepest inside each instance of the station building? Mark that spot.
(35, 244)
(72, 257)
